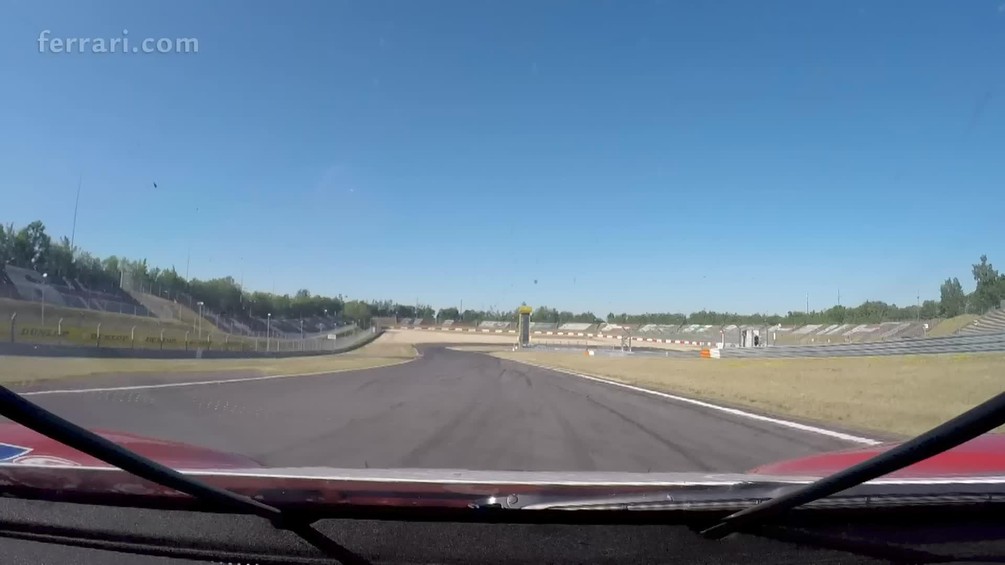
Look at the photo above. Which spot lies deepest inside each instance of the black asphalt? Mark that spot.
(447, 409)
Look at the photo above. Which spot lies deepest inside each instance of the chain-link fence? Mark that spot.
(29, 324)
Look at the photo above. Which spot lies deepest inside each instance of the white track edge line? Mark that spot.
(213, 382)
(732, 411)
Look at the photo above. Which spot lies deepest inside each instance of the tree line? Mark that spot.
(953, 301)
(31, 247)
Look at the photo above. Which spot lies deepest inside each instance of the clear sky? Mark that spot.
(626, 156)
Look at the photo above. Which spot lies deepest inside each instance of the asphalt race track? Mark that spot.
(447, 409)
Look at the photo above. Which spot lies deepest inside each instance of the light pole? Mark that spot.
(200, 304)
(268, 329)
(45, 277)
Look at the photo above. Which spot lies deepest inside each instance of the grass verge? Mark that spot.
(900, 395)
(21, 370)
(952, 325)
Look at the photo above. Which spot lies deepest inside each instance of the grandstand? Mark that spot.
(992, 322)
(25, 284)
(7, 288)
(229, 325)
(617, 329)
(685, 331)
(577, 327)
(80, 325)
(184, 308)
(848, 333)
(731, 334)
(173, 310)
(277, 327)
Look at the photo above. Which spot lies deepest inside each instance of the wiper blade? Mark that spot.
(972, 423)
(32, 416)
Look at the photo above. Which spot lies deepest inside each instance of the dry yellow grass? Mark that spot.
(17, 369)
(902, 395)
(952, 325)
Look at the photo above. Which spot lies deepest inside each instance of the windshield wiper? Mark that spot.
(32, 416)
(972, 423)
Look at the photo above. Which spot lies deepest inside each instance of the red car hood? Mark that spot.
(21, 446)
(981, 456)
(35, 466)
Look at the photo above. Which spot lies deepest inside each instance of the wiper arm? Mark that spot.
(972, 423)
(32, 416)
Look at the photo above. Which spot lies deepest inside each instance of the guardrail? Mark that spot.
(974, 343)
(555, 333)
(352, 342)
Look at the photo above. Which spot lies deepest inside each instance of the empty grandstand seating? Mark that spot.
(837, 329)
(849, 333)
(31, 285)
(992, 322)
(7, 288)
(730, 334)
(575, 327)
(889, 329)
(279, 327)
(861, 329)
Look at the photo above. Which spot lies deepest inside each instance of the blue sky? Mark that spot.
(626, 156)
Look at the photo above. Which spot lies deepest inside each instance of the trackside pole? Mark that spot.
(523, 326)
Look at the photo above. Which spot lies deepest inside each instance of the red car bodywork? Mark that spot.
(984, 455)
(981, 456)
(53, 469)
(45, 451)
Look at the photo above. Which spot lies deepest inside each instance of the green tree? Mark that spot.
(952, 300)
(357, 311)
(990, 286)
(544, 314)
(929, 310)
(61, 260)
(31, 247)
(448, 314)
(7, 235)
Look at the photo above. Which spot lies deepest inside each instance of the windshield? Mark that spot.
(624, 239)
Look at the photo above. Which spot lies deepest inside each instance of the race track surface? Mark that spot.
(447, 409)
